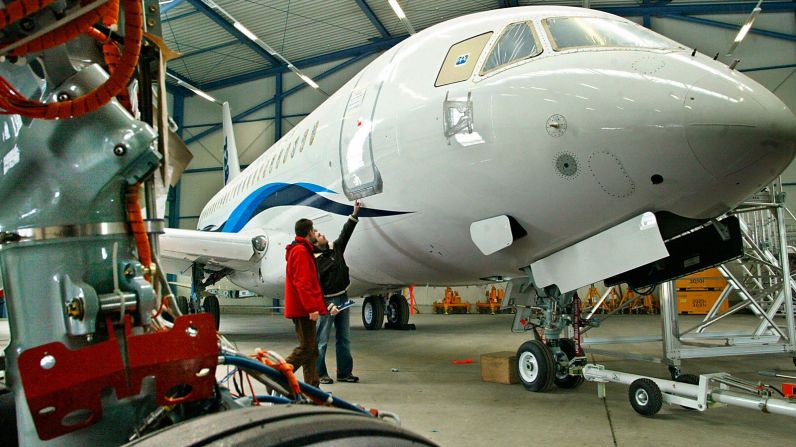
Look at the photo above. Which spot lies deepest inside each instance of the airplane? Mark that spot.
(517, 145)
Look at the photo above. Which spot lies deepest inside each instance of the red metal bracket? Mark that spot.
(184, 357)
(63, 387)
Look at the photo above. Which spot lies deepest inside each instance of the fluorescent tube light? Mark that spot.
(397, 8)
(245, 31)
(307, 79)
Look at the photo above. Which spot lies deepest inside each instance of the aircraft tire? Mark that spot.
(373, 313)
(283, 425)
(645, 397)
(212, 307)
(398, 311)
(535, 366)
(567, 345)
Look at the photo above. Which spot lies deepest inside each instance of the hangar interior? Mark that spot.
(431, 377)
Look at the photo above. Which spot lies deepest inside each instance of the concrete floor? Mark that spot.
(450, 404)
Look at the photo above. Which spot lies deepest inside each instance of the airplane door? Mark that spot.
(361, 177)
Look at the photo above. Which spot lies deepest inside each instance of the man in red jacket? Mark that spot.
(303, 299)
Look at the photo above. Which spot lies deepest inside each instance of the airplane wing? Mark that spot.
(216, 251)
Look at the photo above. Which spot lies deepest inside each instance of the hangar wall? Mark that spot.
(758, 53)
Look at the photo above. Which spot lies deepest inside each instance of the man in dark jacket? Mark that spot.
(334, 282)
(303, 299)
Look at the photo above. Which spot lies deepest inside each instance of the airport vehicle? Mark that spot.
(572, 109)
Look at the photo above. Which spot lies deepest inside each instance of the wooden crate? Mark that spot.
(698, 302)
(499, 367)
(709, 279)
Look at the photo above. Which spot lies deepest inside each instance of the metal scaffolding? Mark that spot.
(760, 281)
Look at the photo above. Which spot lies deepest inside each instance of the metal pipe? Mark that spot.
(110, 302)
(594, 373)
(715, 308)
(786, 286)
(763, 403)
(624, 306)
(669, 329)
(730, 311)
(760, 311)
(599, 303)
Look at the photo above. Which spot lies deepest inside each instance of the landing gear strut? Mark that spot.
(551, 358)
(201, 300)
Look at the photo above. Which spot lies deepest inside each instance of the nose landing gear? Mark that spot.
(551, 357)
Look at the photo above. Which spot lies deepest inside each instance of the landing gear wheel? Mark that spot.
(564, 380)
(645, 397)
(182, 304)
(373, 313)
(397, 311)
(535, 366)
(212, 307)
(283, 425)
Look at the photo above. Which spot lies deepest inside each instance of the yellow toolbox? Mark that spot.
(699, 302)
(709, 279)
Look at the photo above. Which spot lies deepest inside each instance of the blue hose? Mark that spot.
(310, 390)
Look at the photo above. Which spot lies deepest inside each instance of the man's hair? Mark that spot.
(303, 227)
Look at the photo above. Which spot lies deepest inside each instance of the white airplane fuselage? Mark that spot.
(618, 118)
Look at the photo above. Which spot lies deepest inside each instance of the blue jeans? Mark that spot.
(342, 324)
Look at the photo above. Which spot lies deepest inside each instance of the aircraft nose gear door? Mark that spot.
(361, 178)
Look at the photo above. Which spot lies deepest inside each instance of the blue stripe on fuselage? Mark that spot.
(285, 194)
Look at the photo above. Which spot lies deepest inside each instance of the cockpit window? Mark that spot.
(517, 42)
(574, 32)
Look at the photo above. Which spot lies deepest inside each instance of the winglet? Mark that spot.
(231, 164)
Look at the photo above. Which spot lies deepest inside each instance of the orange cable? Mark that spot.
(11, 101)
(135, 217)
(20, 9)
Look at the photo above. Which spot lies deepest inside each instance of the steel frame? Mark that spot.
(764, 288)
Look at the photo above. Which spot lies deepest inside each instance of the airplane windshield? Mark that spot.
(578, 32)
(517, 42)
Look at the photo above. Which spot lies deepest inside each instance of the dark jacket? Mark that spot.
(302, 291)
(331, 263)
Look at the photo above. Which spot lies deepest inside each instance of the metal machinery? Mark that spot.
(92, 360)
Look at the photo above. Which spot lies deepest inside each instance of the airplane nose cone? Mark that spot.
(734, 126)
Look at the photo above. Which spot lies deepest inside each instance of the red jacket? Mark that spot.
(303, 293)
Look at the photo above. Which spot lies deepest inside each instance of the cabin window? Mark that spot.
(287, 152)
(295, 145)
(278, 157)
(582, 32)
(314, 129)
(459, 63)
(304, 140)
(517, 42)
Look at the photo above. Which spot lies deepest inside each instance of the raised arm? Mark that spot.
(348, 228)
